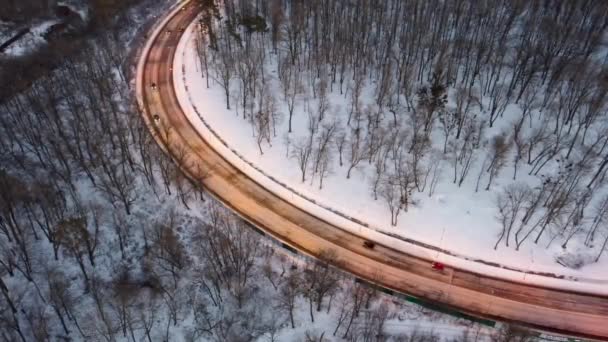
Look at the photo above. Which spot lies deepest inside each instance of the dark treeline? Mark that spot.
(442, 74)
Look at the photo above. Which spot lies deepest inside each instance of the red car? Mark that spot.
(437, 266)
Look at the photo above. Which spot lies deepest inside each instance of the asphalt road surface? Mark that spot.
(545, 309)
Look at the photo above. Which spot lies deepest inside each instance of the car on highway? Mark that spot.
(153, 86)
(437, 266)
(369, 244)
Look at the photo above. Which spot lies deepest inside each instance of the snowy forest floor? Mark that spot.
(454, 218)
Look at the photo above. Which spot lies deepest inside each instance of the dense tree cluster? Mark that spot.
(429, 86)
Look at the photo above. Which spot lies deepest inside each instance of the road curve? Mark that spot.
(557, 311)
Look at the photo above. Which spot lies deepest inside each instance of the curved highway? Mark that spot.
(546, 309)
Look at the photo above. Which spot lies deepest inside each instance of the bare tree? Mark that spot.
(380, 167)
(122, 304)
(148, 317)
(433, 99)
(323, 143)
(602, 249)
(292, 89)
(462, 109)
(521, 145)
(352, 301)
(123, 231)
(99, 321)
(277, 18)
(449, 121)
(340, 142)
(356, 150)
(38, 322)
(117, 183)
(323, 104)
(78, 242)
(224, 64)
(62, 299)
(288, 294)
(200, 41)
(371, 327)
(229, 249)
(435, 170)
(302, 152)
(600, 214)
(389, 191)
(270, 107)
(9, 318)
(499, 148)
(498, 104)
(167, 253)
(510, 202)
(355, 98)
(320, 279)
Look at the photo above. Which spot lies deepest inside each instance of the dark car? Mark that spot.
(369, 244)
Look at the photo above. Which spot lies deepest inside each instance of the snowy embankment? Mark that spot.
(459, 222)
(30, 41)
(17, 42)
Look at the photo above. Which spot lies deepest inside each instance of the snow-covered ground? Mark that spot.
(31, 40)
(458, 220)
(38, 28)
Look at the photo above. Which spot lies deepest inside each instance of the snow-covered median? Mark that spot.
(461, 222)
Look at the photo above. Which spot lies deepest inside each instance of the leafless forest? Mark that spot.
(99, 239)
(438, 75)
(92, 246)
